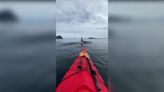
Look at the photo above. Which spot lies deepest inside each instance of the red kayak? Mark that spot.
(82, 76)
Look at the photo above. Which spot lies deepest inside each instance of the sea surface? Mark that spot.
(31, 60)
(27, 58)
(137, 56)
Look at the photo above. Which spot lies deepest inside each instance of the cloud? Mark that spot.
(137, 10)
(82, 17)
(31, 10)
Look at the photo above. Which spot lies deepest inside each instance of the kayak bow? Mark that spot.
(83, 76)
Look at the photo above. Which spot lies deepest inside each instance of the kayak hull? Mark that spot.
(80, 79)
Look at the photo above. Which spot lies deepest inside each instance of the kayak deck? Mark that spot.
(79, 77)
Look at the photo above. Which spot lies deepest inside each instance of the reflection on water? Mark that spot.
(68, 49)
(137, 51)
(27, 58)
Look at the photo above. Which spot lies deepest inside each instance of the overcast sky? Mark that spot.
(146, 10)
(31, 10)
(82, 18)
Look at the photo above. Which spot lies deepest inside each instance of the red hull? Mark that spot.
(80, 79)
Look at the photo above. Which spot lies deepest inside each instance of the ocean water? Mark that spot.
(137, 56)
(27, 58)
(31, 60)
(68, 49)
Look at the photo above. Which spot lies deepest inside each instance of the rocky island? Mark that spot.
(8, 16)
(92, 38)
(59, 37)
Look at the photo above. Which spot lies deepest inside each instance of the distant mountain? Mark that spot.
(59, 37)
(115, 18)
(8, 16)
(92, 38)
